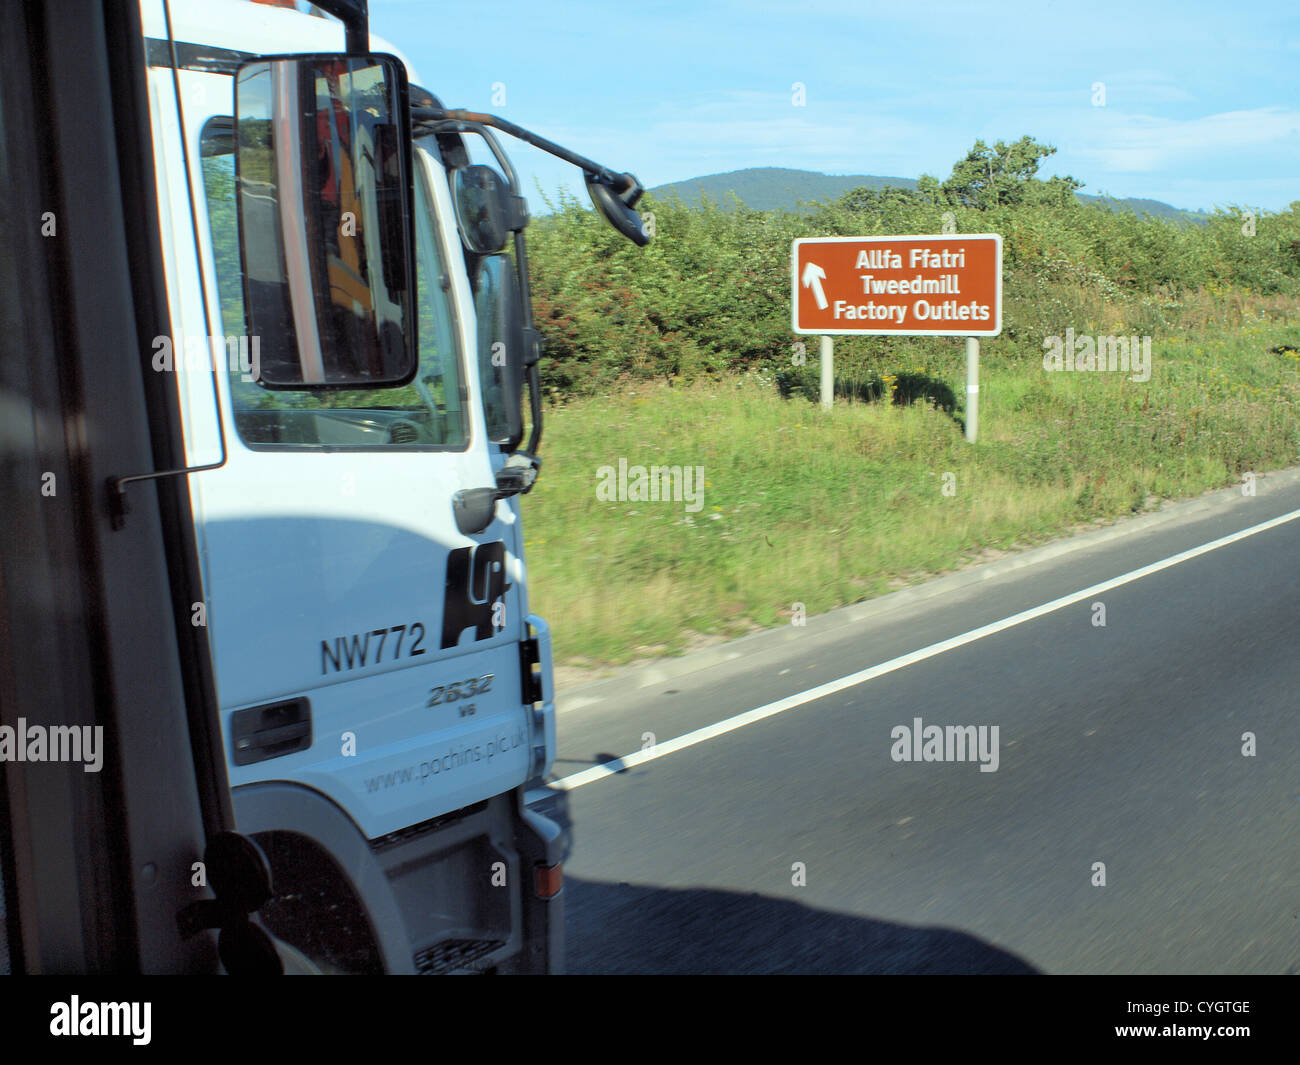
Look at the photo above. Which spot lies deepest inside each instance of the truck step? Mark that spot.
(454, 955)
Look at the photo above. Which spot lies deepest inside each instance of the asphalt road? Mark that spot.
(1119, 744)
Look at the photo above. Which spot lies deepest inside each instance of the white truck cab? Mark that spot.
(385, 693)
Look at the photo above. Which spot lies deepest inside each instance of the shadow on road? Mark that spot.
(628, 928)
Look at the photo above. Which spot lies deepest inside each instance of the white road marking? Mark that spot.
(721, 728)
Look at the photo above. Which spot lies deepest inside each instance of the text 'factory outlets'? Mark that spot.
(922, 310)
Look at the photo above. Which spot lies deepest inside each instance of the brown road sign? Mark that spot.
(901, 286)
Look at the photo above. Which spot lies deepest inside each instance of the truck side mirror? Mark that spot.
(619, 208)
(483, 208)
(505, 348)
(326, 220)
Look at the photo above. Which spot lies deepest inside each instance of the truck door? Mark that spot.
(364, 645)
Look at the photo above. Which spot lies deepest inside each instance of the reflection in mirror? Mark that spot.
(325, 218)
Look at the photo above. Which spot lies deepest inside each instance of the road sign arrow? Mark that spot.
(812, 278)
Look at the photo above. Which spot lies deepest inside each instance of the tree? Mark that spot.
(927, 185)
(874, 201)
(1003, 175)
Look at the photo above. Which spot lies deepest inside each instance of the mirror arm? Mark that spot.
(535, 406)
(355, 16)
(502, 159)
(626, 185)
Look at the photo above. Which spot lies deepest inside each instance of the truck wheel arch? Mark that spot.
(289, 819)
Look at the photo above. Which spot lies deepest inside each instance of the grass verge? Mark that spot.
(805, 510)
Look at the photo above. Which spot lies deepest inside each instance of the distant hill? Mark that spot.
(1155, 208)
(776, 188)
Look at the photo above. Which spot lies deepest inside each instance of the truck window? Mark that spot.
(428, 414)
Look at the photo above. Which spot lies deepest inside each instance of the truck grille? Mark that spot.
(395, 839)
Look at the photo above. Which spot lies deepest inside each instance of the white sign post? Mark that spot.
(828, 373)
(972, 387)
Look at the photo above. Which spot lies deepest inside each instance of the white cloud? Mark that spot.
(1144, 143)
(1231, 156)
(738, 129)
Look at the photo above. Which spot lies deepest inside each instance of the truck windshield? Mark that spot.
(427, 414)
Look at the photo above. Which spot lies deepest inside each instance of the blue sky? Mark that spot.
(1202, 101)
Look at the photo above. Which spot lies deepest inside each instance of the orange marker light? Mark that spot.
(549, 880)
